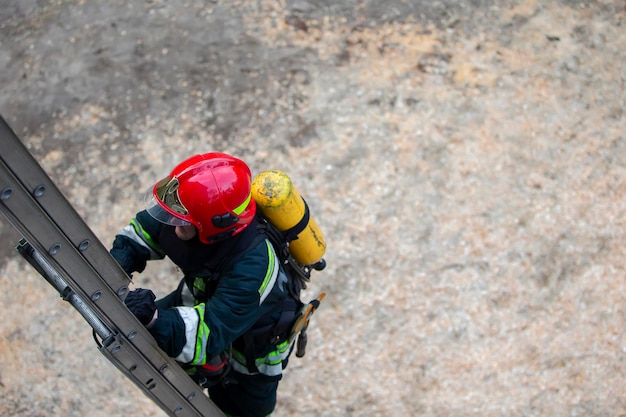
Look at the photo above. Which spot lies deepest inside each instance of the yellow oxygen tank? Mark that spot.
(281, 204)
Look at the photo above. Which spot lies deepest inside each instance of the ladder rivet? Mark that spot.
(163, 368)
(178, 410)
(39, 191)
(191, 396)
(84, 244)
(6, 193)
(116, 349)
(132, 334)
(54, 249)
(96, 295)
(122, 291)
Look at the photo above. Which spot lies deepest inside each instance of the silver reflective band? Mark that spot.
(159, 213)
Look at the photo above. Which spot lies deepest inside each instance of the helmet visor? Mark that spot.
(163, 204)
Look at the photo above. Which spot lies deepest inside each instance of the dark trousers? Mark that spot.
(250, 396)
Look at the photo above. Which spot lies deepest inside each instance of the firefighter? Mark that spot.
(222, 322)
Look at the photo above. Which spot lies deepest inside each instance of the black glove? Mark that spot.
(141, 303)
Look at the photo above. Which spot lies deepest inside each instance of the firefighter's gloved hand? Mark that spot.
(141, 303)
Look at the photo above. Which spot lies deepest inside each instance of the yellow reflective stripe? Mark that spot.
(273, 358)
(199, 288)
(270, 274)
(242, 207)
(137, 234)
(199, 284)
(270, 364)
(202, 337)
(277, 356)
(146, 236)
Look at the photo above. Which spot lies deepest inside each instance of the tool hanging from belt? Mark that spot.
(302, 324)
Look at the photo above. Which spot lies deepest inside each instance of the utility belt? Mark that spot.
(258, 343)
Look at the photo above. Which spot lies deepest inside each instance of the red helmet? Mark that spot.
(210, 191)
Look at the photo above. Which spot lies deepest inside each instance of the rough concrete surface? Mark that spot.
(465, 160)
